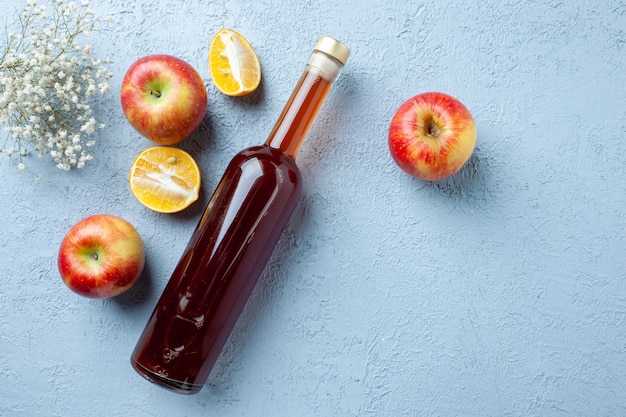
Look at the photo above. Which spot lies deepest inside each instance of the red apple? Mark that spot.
(101, 256)
(431, 136)
(163, 98)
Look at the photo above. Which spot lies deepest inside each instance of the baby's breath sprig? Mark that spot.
(47, 81)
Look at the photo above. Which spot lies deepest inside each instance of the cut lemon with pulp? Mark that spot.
(165, 179)
(233, 64)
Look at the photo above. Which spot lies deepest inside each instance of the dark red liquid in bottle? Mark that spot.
(231, 245)
(217, 271)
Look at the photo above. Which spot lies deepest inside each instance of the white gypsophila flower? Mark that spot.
(47, 79)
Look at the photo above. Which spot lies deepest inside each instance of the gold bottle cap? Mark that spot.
(334, 48)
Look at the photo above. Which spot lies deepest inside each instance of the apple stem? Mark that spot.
(432, 130)
(94, 256)
(155, 93)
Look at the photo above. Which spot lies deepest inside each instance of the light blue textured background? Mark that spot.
(498, 292)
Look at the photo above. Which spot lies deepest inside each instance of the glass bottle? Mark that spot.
(233, 240)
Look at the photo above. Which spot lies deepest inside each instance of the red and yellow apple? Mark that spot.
(101, 256)
(164, 98)
(431, 136)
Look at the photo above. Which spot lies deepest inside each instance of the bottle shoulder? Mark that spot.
(270, 156)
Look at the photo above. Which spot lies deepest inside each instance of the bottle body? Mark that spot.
(219, 268)
(233, 241)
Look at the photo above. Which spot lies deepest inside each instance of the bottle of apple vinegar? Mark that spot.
(233, 240)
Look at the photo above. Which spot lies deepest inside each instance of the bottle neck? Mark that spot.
(304, 104)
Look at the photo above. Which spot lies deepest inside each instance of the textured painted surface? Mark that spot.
(498, 292)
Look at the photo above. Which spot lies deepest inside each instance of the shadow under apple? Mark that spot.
(138, 294)
(472, 184)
